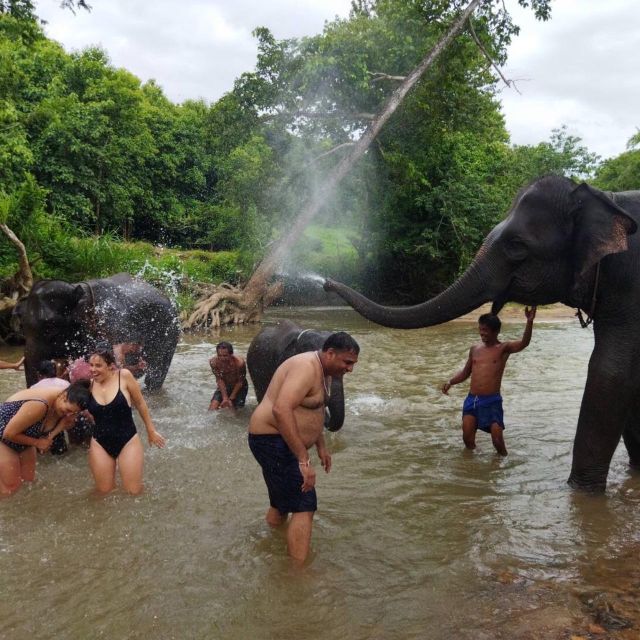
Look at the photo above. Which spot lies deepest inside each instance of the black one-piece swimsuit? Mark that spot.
(114, 425)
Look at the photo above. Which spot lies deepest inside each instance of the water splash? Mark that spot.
(167, 280)
(303, 275)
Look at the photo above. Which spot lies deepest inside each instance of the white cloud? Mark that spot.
(579, 69)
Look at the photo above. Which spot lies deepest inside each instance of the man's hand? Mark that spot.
(226, 404)
(44, 444)
(308, 476)
(445, 388)
(325, 459)
(530, 313)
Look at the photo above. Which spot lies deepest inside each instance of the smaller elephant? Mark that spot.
(66, 320)
(273, 345)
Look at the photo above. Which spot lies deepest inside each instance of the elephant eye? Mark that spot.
(515, 250)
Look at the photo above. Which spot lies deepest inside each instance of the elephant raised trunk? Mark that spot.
(574, 244)
(475, 287)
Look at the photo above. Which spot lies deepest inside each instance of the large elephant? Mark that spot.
(273, 345)
(568, 243)
(60, 319)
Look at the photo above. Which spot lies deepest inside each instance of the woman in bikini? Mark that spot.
(115, 442)
(29, 420)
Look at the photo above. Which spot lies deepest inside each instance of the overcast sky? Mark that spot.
(582, 68)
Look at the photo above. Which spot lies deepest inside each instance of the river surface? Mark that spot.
(414, 538)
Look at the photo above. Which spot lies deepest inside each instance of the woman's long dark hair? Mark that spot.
(79, 393)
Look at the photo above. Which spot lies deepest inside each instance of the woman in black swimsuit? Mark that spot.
(115, 441)
(29, 420)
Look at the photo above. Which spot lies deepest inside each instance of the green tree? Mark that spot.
(621, 173)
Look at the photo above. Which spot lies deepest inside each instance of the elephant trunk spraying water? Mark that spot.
(570, 244)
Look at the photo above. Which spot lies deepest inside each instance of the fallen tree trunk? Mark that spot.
(229, 305)
(14, 288)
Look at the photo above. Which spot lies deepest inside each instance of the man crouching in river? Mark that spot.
(288, 422)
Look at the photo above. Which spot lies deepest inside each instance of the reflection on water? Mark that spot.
(414, 537)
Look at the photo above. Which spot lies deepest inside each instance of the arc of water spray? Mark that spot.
(275, 258)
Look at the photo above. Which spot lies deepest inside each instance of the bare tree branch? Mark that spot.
(377, 76)
(320, 114)
(24, 277)
(509, 83)
(331, 151)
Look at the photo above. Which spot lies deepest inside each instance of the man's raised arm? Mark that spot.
(523, 343)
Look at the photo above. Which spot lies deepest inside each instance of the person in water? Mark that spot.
(29, 420)
(230, 372)
(12, 365)
(47, 376)
(115, 442)
(482, 409)
(288, 422)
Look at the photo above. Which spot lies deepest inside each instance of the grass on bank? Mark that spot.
(56, 255)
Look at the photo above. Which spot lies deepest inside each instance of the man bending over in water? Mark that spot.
(230, 372)
(288, 422)
(482, 408)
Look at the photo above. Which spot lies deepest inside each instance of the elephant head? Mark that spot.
(545, 251)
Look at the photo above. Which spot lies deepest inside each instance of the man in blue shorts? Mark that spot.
(482, 409)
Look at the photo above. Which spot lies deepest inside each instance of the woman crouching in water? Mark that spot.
(115, 441)
(30, 420)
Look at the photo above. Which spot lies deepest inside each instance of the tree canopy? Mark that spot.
(88, 149)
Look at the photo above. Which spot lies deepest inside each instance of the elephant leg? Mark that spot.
(631, 435)
(607, 400)
(159, 352)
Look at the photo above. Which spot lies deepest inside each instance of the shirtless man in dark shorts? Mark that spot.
(288, 422)
(482, 408)
(231, 378)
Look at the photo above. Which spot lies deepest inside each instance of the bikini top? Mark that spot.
(11, 407)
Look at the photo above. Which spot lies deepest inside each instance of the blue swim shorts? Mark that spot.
(281, 474)
(485, 409)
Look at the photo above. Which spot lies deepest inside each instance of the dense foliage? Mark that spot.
(90, 156)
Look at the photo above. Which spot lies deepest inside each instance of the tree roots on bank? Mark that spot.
(225, 304)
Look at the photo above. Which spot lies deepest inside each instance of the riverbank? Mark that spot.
(548, 313)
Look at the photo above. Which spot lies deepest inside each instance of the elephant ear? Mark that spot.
(601, 229)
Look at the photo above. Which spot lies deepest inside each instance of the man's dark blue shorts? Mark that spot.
(485, 409)
(281, 474)
(239, 400)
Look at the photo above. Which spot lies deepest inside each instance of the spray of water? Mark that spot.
(166, 279)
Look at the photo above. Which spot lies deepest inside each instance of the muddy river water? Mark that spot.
(414, 537)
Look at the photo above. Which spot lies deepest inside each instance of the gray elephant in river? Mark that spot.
(62, 319)
(567, 243)
(273, 345)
